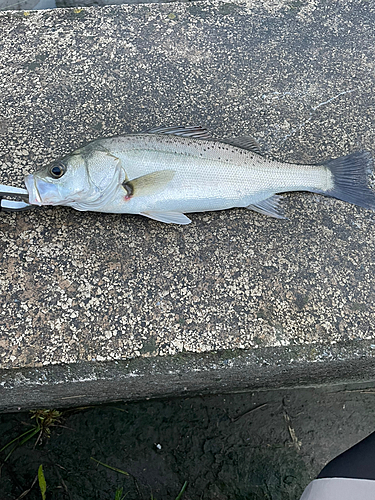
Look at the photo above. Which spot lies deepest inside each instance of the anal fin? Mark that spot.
(270, 206)
(167, 217)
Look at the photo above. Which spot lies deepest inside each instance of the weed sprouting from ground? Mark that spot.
(179, 496)
(118, 495)
(42, 482)
(110, 467)
(44, 420)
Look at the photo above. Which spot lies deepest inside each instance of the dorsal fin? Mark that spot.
(244, 142)
(192, 132)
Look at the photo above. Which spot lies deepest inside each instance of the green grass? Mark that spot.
(118, 495)
(44, 421)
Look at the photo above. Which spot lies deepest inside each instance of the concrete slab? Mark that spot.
(82, 288)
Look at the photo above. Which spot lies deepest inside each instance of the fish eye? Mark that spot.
(57, 171)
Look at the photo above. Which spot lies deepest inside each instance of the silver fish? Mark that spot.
(166, 172)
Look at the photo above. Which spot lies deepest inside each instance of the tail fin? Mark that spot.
(350, 179)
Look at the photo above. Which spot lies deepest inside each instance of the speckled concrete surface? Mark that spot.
(299, 76)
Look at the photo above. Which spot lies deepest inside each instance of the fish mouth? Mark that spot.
(42, 193)
(34, 195)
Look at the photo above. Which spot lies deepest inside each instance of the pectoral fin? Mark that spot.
(269, 206)
(148, 184)
(168, 217)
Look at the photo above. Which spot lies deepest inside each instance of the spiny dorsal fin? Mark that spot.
(192, 132)
(244, 142)
(167, 217)
(148, 184)
(269, 206)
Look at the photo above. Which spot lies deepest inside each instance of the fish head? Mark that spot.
(59, 183)
(81, 180)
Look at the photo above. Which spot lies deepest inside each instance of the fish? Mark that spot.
(165, 173)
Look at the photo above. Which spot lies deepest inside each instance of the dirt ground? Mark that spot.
(262, 445)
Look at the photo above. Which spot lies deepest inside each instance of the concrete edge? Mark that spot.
(185, 374)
